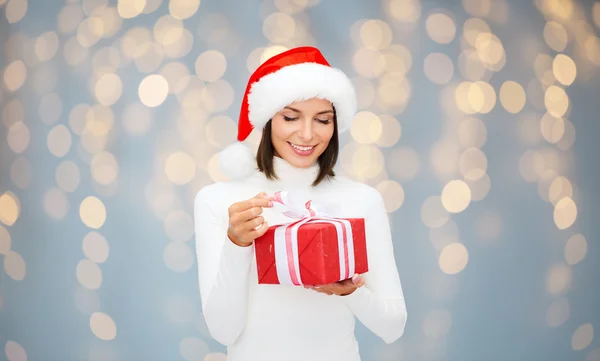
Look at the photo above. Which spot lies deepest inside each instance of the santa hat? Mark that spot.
(294, 75)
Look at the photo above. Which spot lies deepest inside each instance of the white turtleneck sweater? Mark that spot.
(290, 323)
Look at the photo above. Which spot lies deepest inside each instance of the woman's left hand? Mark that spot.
(341, 288)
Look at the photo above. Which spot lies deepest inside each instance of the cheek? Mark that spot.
(325, 133)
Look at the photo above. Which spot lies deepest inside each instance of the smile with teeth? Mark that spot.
(305, 149)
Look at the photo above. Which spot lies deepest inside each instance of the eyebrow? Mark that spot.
(298, 111)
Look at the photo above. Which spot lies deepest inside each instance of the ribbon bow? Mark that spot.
(291, 205)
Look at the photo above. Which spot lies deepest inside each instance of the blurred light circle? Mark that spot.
(130, 8)
(10, 208)
(222, 94)
(14, 351)
(14, 265)
(433, 214)
(137, 119)
(407, 11)
(473, 164)
(472, 28)
(575, 249)
(470, 66)
(109, 89)
(46, 46)
(477, 7)
(21, 172)
(453, 258)
(87, 301)
(15, 75)
(560, 188)
(92, 212)
(440, 28)
(77, 118)
(367, 161)
(392, 194)
(582, 337)
(375, 34)
(565, 213)
(150, 57)
(56, 203)
(89, 274)
(366, 127)
(556, 101)
(193, 349)
(95, 247)
(4, 240)
(552, 128)
(210, 65)
(564, 69)
(153, 90)
(479, 187)
(216, 357)
(456, 196)
(221, 131)
(183, 9)
(279, 27)
(558, 279)
(18, 137)
(177, 76)
(180, 168)
(556, 36)
(568, 138)
(59, 141)
(181, 47)
(444, 158)
(50, 108)
(558, 312)
(369, 63)
(438, 68)
(105, 168)
(103, 326)
(512, 96)
(90, 31)
(472, 132)
(178, 257)
(15, 11)
(13, 112)
(391, 131)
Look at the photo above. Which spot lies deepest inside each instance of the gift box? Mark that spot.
(315, 252)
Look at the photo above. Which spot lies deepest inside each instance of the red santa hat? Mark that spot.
(294, 75)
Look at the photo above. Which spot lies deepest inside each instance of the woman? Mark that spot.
(301, 104)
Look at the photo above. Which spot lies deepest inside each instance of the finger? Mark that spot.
(258, 232)
(248, 214)
(253, 224)
(358, 280)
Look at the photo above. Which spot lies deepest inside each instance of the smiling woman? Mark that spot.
(300, 103)
(303, 134)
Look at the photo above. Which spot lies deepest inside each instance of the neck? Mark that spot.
(290, 176)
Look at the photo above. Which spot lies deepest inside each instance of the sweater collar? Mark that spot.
(290, 176)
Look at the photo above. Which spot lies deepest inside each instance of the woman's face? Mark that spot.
(301, 131)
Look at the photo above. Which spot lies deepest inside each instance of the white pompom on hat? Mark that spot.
(297, 74)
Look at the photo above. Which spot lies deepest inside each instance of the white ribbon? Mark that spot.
(287, 261)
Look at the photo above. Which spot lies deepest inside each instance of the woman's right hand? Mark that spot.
(245, 220)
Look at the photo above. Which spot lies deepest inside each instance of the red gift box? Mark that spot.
(312, 251)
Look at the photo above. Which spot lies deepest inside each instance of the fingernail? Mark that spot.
(270, 203)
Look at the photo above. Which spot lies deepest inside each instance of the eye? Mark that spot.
(288, 119)
(323, 121)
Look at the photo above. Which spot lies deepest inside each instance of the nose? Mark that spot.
(306, 130)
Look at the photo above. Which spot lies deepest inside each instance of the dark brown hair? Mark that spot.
(327, 160)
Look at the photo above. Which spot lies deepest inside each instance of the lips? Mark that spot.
(302, 150)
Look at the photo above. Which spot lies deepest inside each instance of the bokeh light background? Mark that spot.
(478, 123)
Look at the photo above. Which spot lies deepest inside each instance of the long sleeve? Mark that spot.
(379, 304)
(223, 270)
